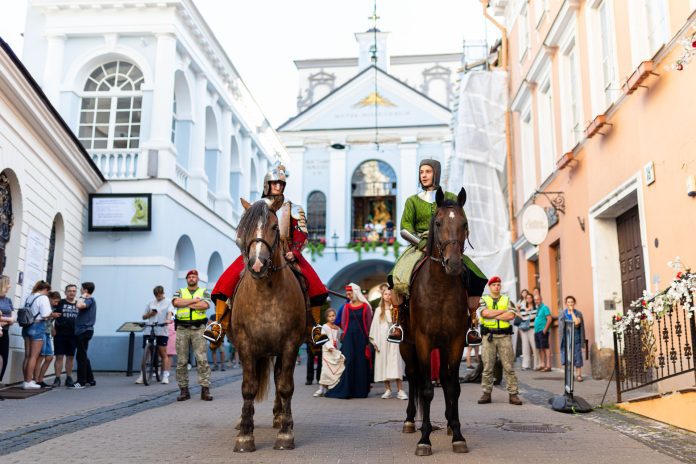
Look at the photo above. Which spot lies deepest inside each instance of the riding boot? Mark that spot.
(184, 395)
(215, 332)
(317, 337)
(396, 333)
(205, 394)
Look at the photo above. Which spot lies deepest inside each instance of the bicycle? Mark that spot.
(150, 363)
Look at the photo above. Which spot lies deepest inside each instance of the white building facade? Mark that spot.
(351, 167)
(161, 110)
(45, 178)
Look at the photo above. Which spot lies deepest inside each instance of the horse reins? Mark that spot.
(271, 248)
(442, 246)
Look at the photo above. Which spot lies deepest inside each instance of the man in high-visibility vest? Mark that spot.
(496, 313)
(191, 303)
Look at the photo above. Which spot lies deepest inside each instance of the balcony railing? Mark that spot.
(116, 164)
(182, 177)
(363, 235)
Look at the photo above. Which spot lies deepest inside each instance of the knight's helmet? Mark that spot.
(278, 173)
(435, 164)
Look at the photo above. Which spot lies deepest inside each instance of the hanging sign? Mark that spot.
(535, 224)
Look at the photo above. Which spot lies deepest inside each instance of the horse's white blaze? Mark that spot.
(451, 215)
(259, 234)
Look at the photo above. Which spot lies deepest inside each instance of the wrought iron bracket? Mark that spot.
(555, 199)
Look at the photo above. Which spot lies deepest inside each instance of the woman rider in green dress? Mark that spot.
(418, 212)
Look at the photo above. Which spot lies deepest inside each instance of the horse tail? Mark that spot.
(263, 374)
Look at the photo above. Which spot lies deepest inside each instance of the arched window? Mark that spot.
(111, 107)
(374, 201)
(316, 215)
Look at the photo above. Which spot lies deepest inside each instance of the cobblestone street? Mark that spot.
(132, 426)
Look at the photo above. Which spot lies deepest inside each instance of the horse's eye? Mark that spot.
(437, 223)
(275, 227)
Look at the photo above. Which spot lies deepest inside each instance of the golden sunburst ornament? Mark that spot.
(373, 99)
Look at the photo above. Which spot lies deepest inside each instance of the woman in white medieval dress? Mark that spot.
(389, 367)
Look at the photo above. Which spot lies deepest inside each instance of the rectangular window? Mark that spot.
(540, 7)
(529, 182)
(557, 290)
(608, 63)
(657, 30)
(547, 142)
(572, 103)
(523, 28)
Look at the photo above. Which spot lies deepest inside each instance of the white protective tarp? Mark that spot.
(477, 163)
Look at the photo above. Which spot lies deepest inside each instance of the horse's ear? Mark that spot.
(439, 197)
(245, 204)
(461, 198)
(277, 203)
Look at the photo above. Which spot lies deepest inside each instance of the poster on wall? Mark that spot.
(34, 261)
(120, 212)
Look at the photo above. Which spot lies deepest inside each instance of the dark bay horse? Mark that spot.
(439, 318)
(268, 322)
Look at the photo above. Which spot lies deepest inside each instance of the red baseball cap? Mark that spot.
(192, 271)
(494, 280)
(349, 288)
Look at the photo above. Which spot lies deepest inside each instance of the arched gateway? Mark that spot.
(367, 274)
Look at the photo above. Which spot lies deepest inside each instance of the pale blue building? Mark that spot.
(161, 110)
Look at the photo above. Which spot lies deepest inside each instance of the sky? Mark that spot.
(264, 37)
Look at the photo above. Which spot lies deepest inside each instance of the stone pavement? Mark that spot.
(121, 422)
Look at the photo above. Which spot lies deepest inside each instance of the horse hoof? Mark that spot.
(460, 447)
(244, 445)
(424, 450)
(276, 422)
(409, 427)
(284, 442)
(449, 431)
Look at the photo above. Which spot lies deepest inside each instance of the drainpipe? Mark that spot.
(508, 120)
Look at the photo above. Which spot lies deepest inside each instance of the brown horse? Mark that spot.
(268, 322)
(439, 318)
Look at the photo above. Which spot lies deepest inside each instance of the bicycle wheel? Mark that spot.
(145, 366)
(154, 364)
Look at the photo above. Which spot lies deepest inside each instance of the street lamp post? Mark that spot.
(334, 241)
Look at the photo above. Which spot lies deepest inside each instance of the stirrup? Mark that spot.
(213, 332)
(396, 334)
(473, 337)
(321, 338)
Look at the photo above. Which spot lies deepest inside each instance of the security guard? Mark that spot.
(191, 304)
(496, 312)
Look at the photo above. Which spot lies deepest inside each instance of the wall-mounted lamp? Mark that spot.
(334, 242)
(691, 186)
(581, 221)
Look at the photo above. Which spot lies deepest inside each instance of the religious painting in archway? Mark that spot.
(374, 202)
(5, 218)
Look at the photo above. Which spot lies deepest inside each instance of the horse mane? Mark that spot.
(247, 225)
(431, 229)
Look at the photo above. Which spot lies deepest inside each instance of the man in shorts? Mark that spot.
(159, 311)
(65, 343)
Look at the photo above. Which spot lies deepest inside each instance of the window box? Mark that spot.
(642, 72)
(598, 123)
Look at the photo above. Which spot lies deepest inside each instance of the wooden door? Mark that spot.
(630, 256)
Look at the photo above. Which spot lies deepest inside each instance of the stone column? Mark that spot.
(295, 190)
(223, 206)
(407, 184)
(338, 201)
(162, 104)
(52, 77)
(198, 181)
(245, 160)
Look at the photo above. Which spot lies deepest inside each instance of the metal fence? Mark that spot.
(656, 351)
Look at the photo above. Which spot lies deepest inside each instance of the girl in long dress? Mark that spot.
(388, 363)
(356, 318)
(333, 359)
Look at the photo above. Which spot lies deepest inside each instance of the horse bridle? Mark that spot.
(442, 246)
(271, 248)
